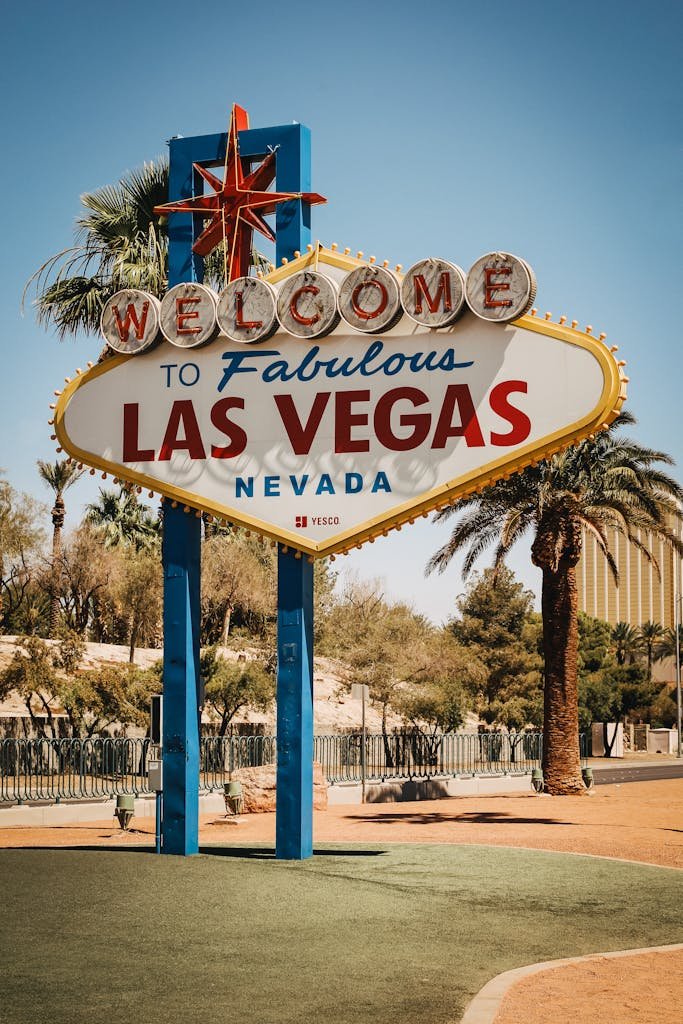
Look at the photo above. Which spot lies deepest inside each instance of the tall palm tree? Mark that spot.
(627, 643)
(58, 476)
(609, 483)
(651, 635)
(123, 521)
(666, 648)
(120, 243)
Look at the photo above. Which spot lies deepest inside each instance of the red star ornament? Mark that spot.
(239, 202)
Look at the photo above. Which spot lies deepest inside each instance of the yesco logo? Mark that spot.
(309, 304)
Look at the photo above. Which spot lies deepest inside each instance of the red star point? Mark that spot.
(239, 203)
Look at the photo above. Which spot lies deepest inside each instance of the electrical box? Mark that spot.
(155, 774)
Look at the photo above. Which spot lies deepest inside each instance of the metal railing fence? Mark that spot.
(82, 769)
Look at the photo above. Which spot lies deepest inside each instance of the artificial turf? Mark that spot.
(381, 934)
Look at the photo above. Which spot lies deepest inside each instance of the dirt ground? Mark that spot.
(640, 821)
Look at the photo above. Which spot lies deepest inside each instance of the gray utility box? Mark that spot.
(155, 775)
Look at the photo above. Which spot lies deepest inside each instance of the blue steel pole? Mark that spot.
(294, 801)
(181, 557)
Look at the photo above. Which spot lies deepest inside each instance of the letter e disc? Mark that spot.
(130, 321)
(307, 304)
(433, 292)
(247, 310)
(369, 299)
(188, 315)
(500, 287)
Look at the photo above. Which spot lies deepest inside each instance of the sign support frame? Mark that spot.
(181, 547)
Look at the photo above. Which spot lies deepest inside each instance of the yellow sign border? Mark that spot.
(611, 399)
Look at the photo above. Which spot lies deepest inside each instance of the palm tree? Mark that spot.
(59, 476)
(122, 521)
(626, 642)
(666, 648)
(651, 635)
(609, 483)
(120, 243)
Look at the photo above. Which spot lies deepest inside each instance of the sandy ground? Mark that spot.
(640, 821)
(643, 989)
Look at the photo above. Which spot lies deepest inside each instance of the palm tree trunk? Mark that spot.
(58, 520)
(561, 758)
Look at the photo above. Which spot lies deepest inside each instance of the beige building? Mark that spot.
(642, 594)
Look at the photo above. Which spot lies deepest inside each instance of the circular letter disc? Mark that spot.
(130, 321)
(246, 310)
(433, 292)
(188, 315)
(369, 299)
(307, 305)
(500, 287)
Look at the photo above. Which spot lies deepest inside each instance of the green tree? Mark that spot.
(59, 477)
(231, 686)
(381, 643)
(98, 698)
(32, 675)
(612, 694)
(238, 585)
(666, 648)
(594, 643)
(608, 483)
(20, 540)
(121, 520)
(445, 674)
(86, 571)
(496, 624)
(139, 594)
(651, 636)
(626, 643)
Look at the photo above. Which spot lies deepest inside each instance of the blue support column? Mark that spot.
(294, 815)
(181, 557)
(181, 560)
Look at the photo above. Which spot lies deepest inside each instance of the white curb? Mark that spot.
(486, 1003)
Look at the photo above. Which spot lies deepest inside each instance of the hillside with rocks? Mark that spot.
(334, 709)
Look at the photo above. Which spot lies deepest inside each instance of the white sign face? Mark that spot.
(325, 443)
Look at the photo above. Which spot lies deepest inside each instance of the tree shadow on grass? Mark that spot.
(476, 817)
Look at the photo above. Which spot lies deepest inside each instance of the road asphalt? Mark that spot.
(637, 773)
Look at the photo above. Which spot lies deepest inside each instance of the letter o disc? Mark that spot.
(307, 304)
(369, 299)
(130, 321)
(247, 310)
(188, 315)
(433, 292)
(500, 287)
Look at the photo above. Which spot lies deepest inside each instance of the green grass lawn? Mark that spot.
(373, 934)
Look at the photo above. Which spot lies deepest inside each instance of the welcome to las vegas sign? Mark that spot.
(333, 399)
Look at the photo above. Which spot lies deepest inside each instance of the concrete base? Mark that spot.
(77, 812)
(397, 790)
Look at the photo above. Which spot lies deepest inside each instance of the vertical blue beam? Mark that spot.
(292, 174)
(294, 810)
(181, 561)
(181, 558)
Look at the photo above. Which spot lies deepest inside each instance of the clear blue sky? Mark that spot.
(448, 129)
